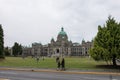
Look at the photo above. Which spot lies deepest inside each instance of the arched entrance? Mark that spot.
(57, 51)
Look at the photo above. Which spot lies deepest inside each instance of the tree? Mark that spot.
(17, 49)
(7, 51)
(107, 42)
(1, 43)
(20, 49)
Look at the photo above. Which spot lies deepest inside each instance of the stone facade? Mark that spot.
(26, 51)
(61, 47)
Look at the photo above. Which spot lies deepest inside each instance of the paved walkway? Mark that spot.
(3, 79)
(98, 72)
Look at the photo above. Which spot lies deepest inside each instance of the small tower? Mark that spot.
(52, 40)
(83, 41)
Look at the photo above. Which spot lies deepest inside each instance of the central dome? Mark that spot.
(62, 36)
(62, 32)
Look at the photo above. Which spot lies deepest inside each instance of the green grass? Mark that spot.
(71, 63)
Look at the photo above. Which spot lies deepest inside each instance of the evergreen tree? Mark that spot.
(107, 42)
(20, 49)
(7, 51)
(1, 43)
(17, 49)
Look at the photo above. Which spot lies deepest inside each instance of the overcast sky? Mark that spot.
(28, 21)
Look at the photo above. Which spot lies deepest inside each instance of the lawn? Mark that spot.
(71, 63)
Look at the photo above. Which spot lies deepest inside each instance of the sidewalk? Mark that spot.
(68, 71)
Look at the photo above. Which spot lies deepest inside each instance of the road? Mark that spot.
(29, 75)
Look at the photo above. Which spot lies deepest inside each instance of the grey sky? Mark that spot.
(28, 21)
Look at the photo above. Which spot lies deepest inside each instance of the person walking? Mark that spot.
(37, 59)
(63, 64)
(58, 63)
(57, 59)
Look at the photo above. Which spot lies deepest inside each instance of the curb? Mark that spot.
(65, 72)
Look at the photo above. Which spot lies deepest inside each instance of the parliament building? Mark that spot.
(61, 47)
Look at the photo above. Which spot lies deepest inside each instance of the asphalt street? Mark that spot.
(29, 75)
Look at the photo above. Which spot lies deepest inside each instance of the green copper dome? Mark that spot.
(62, 32)
(62, 36)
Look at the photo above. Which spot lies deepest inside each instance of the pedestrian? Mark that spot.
(58, 63)
(57, 59)
(63, 64)
(23, 56)
(37, 59)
